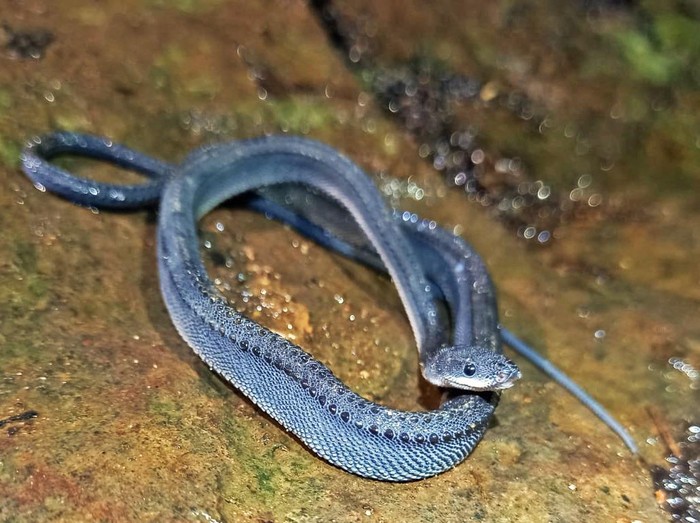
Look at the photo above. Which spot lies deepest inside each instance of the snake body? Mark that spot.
(428, 265)
(292, 387)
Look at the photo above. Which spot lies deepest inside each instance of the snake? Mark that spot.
(432, 269)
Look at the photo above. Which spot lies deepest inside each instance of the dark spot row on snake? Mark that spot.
(344, 415)
(268, 357)
(315, 367)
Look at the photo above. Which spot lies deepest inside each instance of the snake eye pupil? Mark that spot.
(469, 369)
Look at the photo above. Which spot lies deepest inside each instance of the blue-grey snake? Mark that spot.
(328, 198)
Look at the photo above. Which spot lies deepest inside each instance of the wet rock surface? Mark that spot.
(128, 425)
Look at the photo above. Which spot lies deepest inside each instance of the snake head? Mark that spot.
(470, 368)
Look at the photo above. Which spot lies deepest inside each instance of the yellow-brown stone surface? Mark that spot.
(131, 426)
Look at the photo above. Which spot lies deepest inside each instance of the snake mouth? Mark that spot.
(503, 380)
(470, 385)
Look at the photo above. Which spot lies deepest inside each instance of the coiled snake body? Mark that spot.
(317, 190)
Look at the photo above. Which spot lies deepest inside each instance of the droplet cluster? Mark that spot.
(678, 489)
(422, 95)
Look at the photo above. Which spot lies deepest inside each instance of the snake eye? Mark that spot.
(469, 369)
